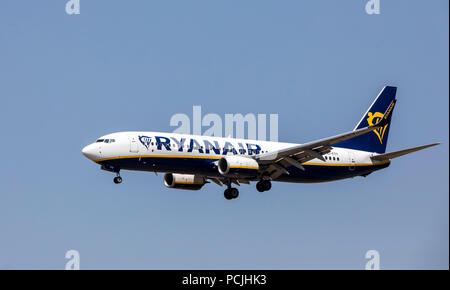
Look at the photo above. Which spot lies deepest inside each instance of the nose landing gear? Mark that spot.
(116, 170)
(117, 179)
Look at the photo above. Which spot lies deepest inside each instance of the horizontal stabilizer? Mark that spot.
(387, 156)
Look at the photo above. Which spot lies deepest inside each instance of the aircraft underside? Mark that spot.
(208, 168)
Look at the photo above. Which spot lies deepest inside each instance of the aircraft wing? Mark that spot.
(277, 161)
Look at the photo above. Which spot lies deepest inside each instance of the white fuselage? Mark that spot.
(180, 153)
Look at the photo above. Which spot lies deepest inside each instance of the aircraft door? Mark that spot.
(351, 161)
(134, 145)
(100, 149)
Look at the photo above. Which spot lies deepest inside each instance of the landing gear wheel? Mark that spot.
(117, 179)
(234, 192)
(267, 185)
(227, 194)
(259, 186)
(263, 185)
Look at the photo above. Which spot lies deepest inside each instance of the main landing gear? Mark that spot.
(263, 185)
(117, 179)
(231, 193)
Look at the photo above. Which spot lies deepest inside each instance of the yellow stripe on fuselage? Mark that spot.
(158, 156)
(346, 164)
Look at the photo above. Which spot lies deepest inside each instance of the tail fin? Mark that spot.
(376, 140)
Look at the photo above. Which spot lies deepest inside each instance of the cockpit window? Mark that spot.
(106, 140)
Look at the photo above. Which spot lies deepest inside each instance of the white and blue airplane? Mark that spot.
(189, 161)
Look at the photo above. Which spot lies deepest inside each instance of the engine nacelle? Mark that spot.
(184, 181)
(238, 166)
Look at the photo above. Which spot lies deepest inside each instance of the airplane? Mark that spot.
(191, 161)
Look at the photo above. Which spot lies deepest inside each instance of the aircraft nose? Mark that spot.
(90, 152)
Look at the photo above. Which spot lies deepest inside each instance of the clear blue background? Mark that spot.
(131, 65)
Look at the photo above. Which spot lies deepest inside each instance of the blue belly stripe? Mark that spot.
(205, 166)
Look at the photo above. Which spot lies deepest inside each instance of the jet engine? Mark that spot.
(184, 181)
(238, 166)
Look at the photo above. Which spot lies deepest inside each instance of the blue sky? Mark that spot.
(121, 65)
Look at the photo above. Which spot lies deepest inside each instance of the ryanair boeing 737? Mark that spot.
(189, 162)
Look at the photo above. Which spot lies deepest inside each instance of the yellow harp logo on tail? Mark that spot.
(376, 117)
